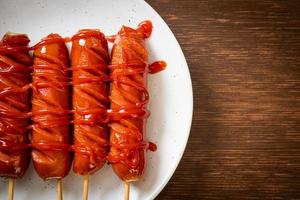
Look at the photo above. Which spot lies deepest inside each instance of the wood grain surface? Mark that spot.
(244, 59)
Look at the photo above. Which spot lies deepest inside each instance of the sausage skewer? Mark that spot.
(59, 189)
(129, 97)
(127, 190)
(85, 187)
(15, 63)
(11, 184)
(89, 58)
(50, 136)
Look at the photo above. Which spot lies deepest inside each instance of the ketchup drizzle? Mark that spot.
(103, 116)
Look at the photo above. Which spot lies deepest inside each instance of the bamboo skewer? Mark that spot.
(85, 187)
(11, 185)
(127, 190)
(59, 189)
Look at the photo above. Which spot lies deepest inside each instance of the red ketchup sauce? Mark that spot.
(138, 111)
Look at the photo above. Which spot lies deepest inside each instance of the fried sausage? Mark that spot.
(15, 63)
(50, 108)
(89, 59)
(128, 97)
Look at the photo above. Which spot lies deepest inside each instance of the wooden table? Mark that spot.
(244, 59)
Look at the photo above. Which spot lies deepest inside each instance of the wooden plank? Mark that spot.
(244, 58)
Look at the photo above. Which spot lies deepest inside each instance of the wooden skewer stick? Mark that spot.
(127, 190)
(11, 189)
(59, 189)
(85, 187)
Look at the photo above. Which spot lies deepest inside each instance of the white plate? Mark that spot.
(171, 100)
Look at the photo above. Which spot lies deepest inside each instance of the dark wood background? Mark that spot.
(244, 59)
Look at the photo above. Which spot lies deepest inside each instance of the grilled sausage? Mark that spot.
(50, 136)
(15, 63)
(90, 59)
(128, 97)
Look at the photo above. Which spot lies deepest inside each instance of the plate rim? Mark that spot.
(190, 100)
